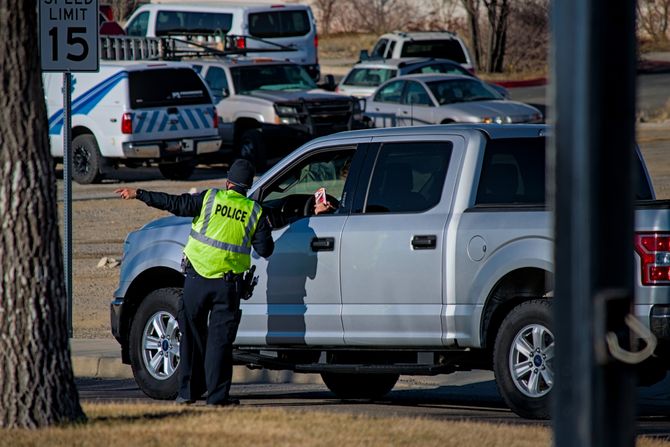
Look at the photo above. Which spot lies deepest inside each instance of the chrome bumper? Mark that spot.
(159, 149)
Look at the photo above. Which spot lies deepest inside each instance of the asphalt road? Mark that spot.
(653, 92)
(462, 400)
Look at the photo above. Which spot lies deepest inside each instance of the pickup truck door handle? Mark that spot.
(323, 244)
(424, 242)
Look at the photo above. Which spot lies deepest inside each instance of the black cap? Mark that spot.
(241, 173)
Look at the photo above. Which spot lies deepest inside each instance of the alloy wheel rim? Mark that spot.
(531, 360)
(160, 345)
(81, 159)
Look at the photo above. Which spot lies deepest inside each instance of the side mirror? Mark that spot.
(225, 93)
(363, 55)
(329, 83)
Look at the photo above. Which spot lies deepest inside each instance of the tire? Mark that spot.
(252, 147)
(526, 339)
(86, 160)
(161, 306)
(359, 386)
(181, 170)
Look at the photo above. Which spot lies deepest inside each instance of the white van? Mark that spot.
(290, 25)
(129, 113)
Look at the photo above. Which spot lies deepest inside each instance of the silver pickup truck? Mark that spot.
(438, 258)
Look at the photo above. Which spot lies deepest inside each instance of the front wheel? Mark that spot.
(523, 359)
(154, 344)
(359, 386)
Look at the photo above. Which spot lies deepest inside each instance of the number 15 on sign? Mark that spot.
(69, 35)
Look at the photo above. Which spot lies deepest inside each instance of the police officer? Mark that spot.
(226, 224)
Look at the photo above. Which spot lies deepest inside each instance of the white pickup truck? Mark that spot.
(130, 113)
(439, 258)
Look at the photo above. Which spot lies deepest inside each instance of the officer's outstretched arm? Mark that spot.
(181, 205)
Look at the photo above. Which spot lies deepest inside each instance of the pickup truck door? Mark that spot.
(298, 299)
(393, 244)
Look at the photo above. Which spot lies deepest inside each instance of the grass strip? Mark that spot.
(169, 425)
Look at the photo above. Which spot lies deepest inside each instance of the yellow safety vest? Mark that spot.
(220, 239)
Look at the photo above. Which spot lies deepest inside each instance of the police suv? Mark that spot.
(438, 258)
(129, 113)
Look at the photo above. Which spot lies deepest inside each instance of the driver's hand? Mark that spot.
(323, 207)
(127, 193)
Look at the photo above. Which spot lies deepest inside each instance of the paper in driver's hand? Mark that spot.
(320, 195)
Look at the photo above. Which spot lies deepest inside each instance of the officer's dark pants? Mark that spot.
(211, 342)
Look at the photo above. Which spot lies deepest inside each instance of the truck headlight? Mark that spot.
(286, 110)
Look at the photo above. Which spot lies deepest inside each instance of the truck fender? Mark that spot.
(164, 253)
(249, 115)
(56, 140)
(531, 252)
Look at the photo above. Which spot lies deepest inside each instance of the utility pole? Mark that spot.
(593, 98)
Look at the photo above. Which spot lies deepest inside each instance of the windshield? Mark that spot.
(462, 90)
(285, 78)
(442, 49)
(369, 77)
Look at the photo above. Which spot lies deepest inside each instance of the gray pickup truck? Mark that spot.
(438, 258)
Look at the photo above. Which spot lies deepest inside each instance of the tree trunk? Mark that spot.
(472, 9)
(497, 13)
(36, 381)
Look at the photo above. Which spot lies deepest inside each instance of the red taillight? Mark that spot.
(654, 251)
(240, 42)
(337, 89)
(215, 118)
(127, 123)
(316, 41)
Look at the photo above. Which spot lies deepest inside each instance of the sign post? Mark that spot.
(69, 37)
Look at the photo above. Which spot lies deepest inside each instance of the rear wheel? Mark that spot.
(154, 344)
(252, 148)
(523, 359)
(86, 160)
(359, 386)
(181, 170)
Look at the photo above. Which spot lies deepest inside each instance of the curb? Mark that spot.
(522, 83)
(104, 367)
(651, 66)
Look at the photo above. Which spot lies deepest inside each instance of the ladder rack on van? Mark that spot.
(129, 48)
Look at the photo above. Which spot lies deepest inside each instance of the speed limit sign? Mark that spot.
(69, 35)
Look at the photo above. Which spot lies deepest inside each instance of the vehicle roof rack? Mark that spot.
(186, 45)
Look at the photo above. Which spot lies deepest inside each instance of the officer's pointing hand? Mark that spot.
(127, 193)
